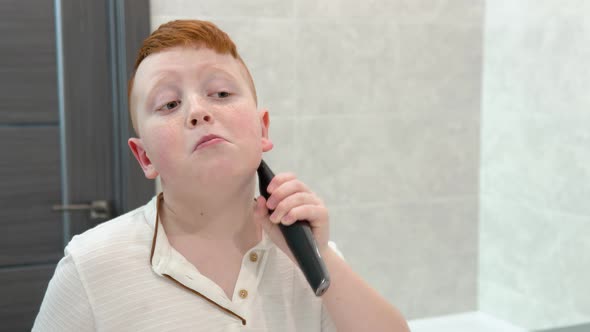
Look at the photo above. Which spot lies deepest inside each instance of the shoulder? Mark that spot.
(121, 233)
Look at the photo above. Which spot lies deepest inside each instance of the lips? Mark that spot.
(207, 138)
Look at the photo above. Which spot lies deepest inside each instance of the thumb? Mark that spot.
(261, 211)
(262, 218)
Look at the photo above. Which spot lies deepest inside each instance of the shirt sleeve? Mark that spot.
(327, 323)
(65, 306)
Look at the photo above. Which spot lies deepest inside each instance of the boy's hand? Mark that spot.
(291, 200)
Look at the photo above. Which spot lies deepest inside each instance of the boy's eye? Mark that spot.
(222, 94)
(170, 105)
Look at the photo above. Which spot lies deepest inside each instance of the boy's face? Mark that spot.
(182, 94)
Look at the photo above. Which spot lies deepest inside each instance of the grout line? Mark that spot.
(427, 200)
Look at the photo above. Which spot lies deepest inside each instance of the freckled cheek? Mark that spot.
(246, 126)
(164, 145)
(243, 119)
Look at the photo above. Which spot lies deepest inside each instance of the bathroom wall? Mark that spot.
(535, 165)
(376, 106)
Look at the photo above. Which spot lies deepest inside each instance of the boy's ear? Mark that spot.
(265, 123)
(136, 146)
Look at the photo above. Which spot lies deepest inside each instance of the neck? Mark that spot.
(217, 218)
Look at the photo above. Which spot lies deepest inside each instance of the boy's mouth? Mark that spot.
(208, 140)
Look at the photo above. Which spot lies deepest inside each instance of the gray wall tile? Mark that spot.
(413, 11)
(534, 167)
(223, 9)
(439, 69)
(376, 158)
(536, 59)
(537, 159)
(527, 258)
(501, 302)
(400, 248)
(346, 68)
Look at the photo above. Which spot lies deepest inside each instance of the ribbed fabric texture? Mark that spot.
(105, 282)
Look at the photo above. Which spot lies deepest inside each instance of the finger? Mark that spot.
(279, 179)
(312, 213)
(261, 211)
(286, 189)
(261, 216)
(291, 201)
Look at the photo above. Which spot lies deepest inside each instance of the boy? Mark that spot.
(203, 255)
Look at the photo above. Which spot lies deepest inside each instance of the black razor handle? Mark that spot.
(300, 240)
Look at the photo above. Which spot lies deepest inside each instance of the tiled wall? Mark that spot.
(535, 165)
(376, 106)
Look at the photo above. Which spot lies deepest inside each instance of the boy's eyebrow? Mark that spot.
(222, 71)
(215, 69)
(162, 76)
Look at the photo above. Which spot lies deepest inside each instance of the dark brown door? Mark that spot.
(63, 127)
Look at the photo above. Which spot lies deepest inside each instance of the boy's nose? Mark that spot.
(197, 117)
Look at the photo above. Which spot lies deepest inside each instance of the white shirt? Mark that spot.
(124, 275)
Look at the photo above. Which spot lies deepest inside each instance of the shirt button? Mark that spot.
(243, 293)
(253, 257)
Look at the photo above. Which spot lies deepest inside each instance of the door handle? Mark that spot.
(99, 209)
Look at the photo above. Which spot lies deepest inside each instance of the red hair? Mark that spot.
(193, 33)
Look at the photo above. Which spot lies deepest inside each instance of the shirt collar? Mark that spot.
(166, 261)
(161, 248)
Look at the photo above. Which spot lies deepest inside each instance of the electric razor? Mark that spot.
(300, 240)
